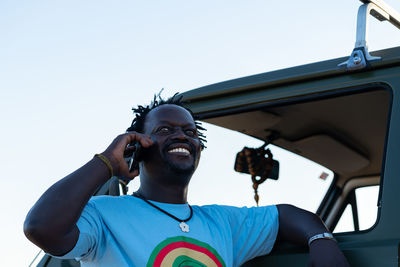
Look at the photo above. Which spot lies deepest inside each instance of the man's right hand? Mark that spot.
(116, 150)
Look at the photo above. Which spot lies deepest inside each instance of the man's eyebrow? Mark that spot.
(191, 124)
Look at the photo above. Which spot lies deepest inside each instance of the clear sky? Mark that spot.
(70, 71)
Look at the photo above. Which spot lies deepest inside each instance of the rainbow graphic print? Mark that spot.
(181, 251)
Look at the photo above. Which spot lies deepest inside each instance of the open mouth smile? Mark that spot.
(179, 150)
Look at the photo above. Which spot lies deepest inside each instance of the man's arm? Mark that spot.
(298, 226)
(51, 223)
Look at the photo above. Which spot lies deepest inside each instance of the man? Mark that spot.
(156, 226)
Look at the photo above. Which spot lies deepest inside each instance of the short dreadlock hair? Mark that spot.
(141, 112)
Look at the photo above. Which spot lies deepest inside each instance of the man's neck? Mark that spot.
(175, 194)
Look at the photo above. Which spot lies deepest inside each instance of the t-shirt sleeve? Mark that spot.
(90, 234)
(254, 231)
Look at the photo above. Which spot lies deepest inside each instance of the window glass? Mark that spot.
(345, 223)
(367, 200)
(39, 258)
(302, 182)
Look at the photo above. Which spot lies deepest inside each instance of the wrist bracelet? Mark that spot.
(107, 162)
(320, 236)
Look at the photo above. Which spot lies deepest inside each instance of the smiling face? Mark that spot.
(177, 146)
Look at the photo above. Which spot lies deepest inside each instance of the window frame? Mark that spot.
(348, 197)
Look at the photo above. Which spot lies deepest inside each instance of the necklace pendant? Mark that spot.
(184, 227)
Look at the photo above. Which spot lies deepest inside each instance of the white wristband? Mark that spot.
(320, 236)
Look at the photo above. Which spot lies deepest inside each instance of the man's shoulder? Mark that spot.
(228, 207)
(232, 210)
(236, 216)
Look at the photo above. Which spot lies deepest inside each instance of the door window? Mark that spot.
(361, 210)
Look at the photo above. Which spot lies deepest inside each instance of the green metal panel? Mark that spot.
(365, 255)
(270, 94)
(297, 74)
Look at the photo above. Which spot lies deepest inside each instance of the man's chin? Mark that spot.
(181, 168)
(180, 174)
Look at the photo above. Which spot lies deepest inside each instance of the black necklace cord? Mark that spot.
(163, 211)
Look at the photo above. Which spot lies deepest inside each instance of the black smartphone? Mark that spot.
(137, 155)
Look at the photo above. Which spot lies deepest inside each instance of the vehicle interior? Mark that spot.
(345, 133)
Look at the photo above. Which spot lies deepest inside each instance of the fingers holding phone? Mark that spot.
(127, 146)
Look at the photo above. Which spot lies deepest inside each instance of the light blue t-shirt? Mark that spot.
(127, 231)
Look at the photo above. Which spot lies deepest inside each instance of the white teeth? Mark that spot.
(179, 150)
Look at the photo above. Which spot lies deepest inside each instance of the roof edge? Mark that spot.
(390, 56)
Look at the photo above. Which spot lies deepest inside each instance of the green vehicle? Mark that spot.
(343, 114)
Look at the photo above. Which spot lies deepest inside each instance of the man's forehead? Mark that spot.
(169, 113)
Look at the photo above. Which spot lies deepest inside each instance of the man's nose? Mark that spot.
(179, 133)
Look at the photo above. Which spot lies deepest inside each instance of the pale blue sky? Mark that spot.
(71, 70)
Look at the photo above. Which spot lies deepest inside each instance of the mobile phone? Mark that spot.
(133, 160)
